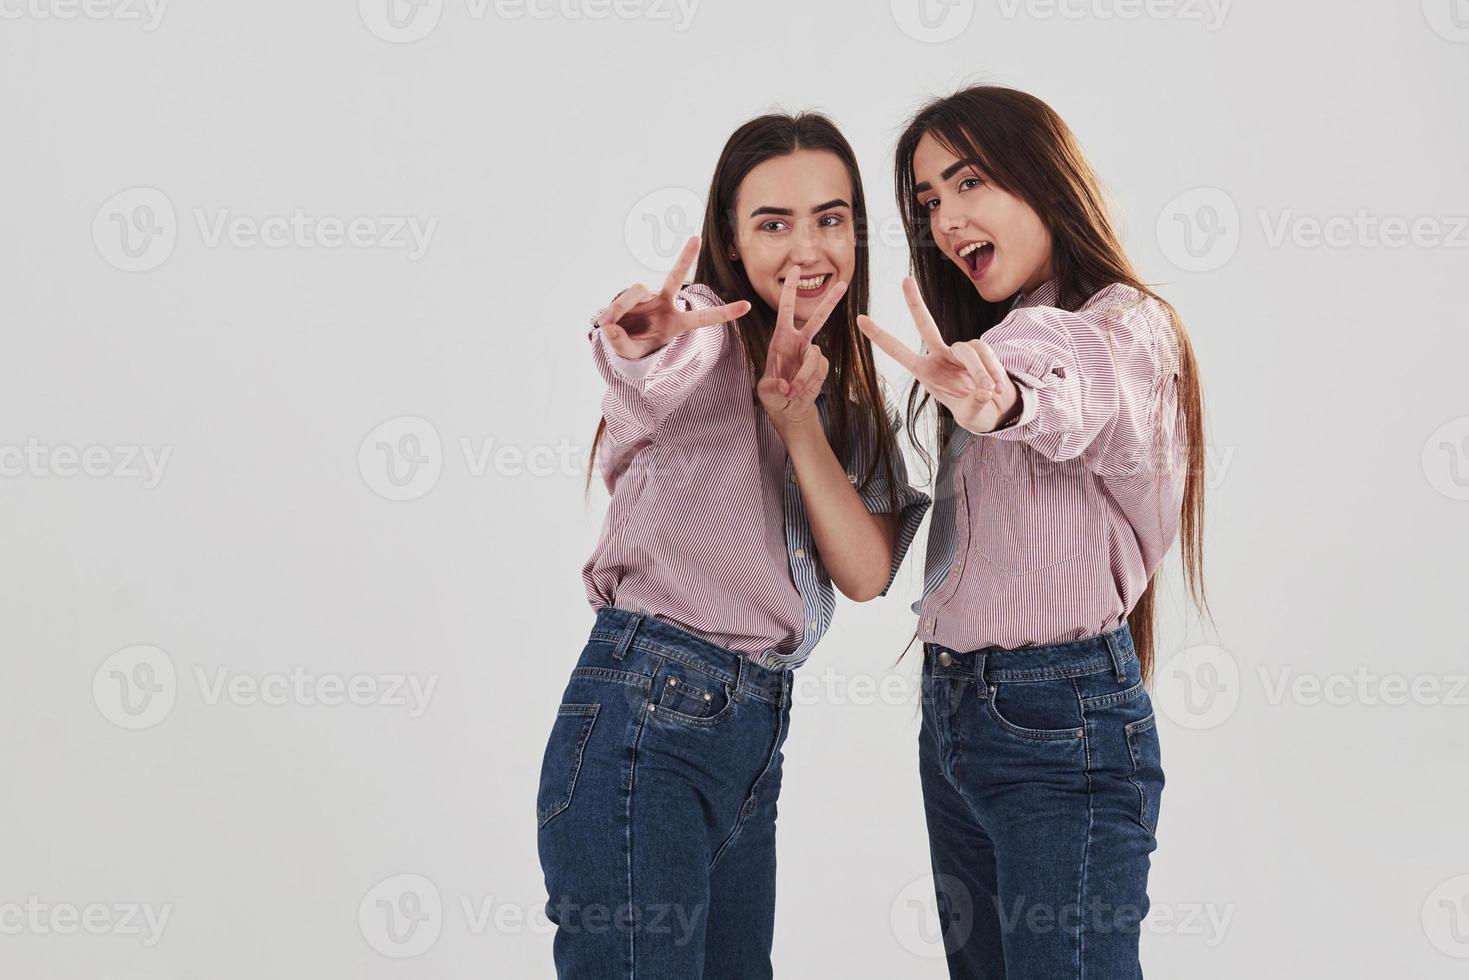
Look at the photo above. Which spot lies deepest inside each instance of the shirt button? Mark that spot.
(800, 552)
(957, 566)
(811, 625)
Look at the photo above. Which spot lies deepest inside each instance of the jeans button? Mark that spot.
(946, 659)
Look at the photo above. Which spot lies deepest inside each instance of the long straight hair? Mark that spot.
(1023, 146)
(853, 386)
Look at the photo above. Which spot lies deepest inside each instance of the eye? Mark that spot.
(928, 204)
(835, 220)
(968, 183)
(766, 226)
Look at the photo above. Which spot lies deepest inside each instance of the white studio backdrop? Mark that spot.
(296, 400)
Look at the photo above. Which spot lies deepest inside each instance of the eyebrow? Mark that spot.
(949, 171)
(835, 202)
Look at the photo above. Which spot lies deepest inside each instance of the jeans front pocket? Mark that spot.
(691, 696)
(1147, 768)
(1043, 710)
(562, 761)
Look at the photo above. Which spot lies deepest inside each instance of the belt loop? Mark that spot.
(625, 640)
(1114, 647)
(979, 681)
(739, 678)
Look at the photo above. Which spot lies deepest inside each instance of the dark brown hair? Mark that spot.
(1024, 147)
(853, 384)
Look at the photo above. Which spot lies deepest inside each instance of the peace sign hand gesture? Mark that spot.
(966, 378)
(795, 368)
(638, 321)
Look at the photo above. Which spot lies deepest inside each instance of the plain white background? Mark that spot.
(295, 401)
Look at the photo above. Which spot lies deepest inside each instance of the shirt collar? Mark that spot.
(1045, 294)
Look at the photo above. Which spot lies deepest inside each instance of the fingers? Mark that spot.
(971, 361)
(714, 315)
(809, 378)
(785, 317)
(887, 343)
(927, 328)
(624, 301)
(819, 317)
(992, 364)
(682, 266)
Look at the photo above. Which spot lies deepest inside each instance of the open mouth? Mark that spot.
(976, 257)
(808, 286)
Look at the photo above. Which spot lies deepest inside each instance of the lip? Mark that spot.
(974, 273)
(810, 293)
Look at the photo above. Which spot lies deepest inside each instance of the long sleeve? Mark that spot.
(642, 393)
(912, 502)
(1091, 383)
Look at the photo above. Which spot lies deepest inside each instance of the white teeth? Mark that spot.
(811, 283)
(972, 246)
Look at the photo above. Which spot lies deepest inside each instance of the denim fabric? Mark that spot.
(657, 807)
(1041, 781)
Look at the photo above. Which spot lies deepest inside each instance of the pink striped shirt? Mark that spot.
(1047, 530)
(706, 528)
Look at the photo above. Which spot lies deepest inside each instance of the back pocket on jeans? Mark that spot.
(562, 762)
(1147, 768)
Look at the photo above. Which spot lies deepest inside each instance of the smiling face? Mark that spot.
(796, 210)
(995, 238)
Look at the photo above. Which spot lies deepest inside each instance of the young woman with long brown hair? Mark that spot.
(1070, 455)
(751, 457)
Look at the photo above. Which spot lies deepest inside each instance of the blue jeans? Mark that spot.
(656, 807)
(1041, 780)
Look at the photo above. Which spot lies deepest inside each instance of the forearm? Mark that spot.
(856, 546)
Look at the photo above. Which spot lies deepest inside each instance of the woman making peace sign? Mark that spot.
(751, 458)
(1070, 443)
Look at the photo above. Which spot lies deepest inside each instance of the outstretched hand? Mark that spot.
(966, 378)
(638, 321)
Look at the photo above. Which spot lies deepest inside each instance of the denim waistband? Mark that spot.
(633, 633)
(1089, 655)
